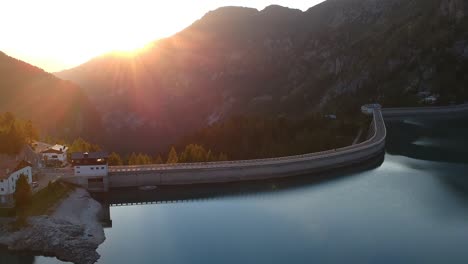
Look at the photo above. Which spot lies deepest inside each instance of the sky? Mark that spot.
(60, 34)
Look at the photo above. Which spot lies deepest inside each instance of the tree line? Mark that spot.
(190, 153)
(258, 137)
(15, 133)
(241, 137)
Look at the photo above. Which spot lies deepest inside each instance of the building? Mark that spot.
(90, 164)
(91, 170)
(55, 155)
(10, 171)
(368, 109)
(430, 100)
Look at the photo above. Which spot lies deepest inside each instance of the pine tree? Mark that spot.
(30, 131)
(133, 159)
(172, 156)
(209, 156)
(23, 192)
(158, 160)
(15, 139)
(222, 157)
(143, 159)
(80, 145)
(115, 159)
(194, 153)
(8, 119)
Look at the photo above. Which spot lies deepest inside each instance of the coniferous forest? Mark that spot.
(14, 133)
(236, 138)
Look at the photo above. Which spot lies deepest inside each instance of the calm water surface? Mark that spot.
(413, 208)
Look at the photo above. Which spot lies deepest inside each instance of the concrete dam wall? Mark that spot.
(247, 170)
(395, 113)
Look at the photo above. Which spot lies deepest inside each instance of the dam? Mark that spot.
(261, 169)
(241, 170)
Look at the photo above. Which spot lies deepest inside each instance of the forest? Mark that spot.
(15, 133)
(241, 137)
(257, 137)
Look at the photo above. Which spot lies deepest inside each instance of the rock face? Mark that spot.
(72, 233)
(334, 57)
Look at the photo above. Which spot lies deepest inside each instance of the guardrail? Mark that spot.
(425, 110)
(378, 137)
(256, 169)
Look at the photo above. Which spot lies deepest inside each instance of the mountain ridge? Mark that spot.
(283, 62)
(58, 108)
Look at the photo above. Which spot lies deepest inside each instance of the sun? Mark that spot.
(57, 34)
(128, 45)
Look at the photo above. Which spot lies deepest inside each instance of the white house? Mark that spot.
(91, 170)
(56, 153)
(10, 171)
(90, 164)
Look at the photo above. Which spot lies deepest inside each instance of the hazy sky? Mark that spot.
(59, 34)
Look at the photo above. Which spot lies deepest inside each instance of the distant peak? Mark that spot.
(235, 8)
(278, 8)
(231, 11)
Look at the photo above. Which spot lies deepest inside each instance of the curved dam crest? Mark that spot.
(259, 169)
(245, 170)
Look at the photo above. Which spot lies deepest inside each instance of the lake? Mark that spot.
(411, 206)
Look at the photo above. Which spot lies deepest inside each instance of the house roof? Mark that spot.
(22, 164)
(10, 165)
(57, 149)
(52, 151)
(90, 155)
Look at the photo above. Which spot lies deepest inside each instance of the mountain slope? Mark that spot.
(59, 108)
(279, 61)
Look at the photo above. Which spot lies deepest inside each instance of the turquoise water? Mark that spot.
(412, 208)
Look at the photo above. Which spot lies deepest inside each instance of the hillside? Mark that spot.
(281, 62)
(58, 108)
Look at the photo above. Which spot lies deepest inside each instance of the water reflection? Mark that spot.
(412, 208)
(396, 213)
(432, 139)
(191, 193)
(435, 139)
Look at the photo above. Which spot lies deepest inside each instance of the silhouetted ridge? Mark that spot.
(58, 108)
(283, 62)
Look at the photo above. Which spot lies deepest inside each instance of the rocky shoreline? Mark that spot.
(72, 233)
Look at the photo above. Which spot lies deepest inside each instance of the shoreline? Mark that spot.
(72, 232)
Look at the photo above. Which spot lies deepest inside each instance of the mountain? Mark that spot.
(58, 108)
(281, 62)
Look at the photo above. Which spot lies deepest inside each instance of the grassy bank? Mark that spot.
(46, 199)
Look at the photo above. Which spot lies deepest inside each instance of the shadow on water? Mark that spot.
(431, 139)
(442, 140)
(402, 140)
(455, 179)
(7, 257)
(447, 198)
(186, 193)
